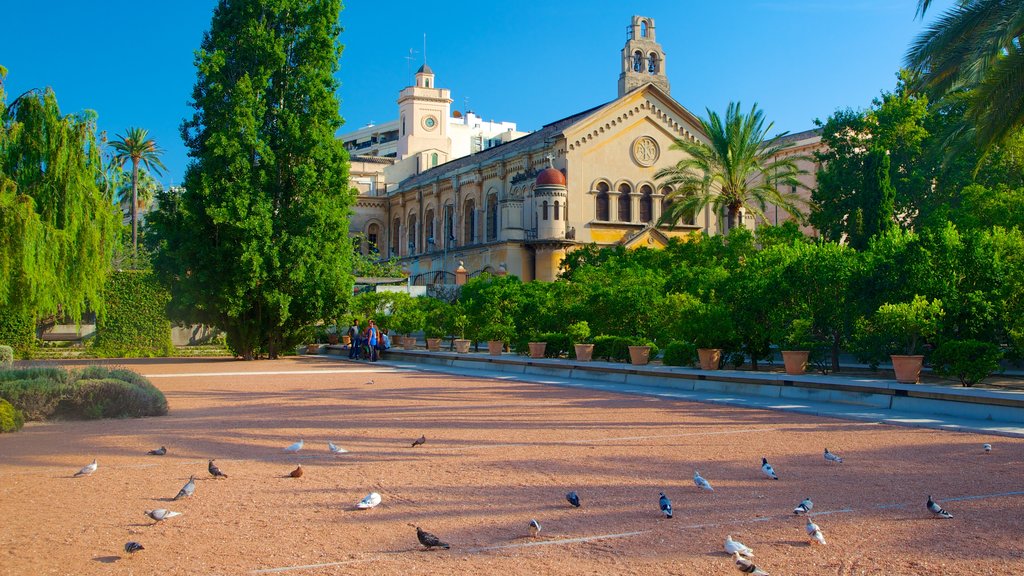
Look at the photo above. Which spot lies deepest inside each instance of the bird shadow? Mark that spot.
(107, 559)
(165, 499)
(795, 543)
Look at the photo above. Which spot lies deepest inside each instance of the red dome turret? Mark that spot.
(551, 177)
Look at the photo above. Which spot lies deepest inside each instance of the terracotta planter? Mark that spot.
(584, 352)
(639, 355)
(409, 342)
(709, 358)
(907, 368)
(795, 361)
(462, 345)
(434, 344)
(495, 347)
(312, 348)
(537, 349)
(346, 340)
(332, 339)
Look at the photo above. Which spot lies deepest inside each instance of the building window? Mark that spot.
(556, 210)
(433, 159)
(652, 63)
(412, 234)
(428, 229)
(602, 202)
(625, 203)
(646, 214)
(403, 125)
(395, 236)
(449, 226)
(638, 61)
(492, 217)
(544, 209)
(469, 235)
(372, 232)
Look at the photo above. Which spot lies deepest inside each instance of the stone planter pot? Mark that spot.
(537, 349)
(495, 347)
(584, 352)
(409, 342)
(346, 340)
(709, 358)
(462, 345)
(332, 339)
(434, 344)
(312, 348)
(639, 355)
(907, 368)
(795, 361)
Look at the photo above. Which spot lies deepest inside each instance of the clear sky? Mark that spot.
(529, 62)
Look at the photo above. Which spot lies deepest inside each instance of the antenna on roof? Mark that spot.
(408, 61)
(424, 47)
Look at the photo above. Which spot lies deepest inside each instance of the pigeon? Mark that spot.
(767, 469)
(158, 452)
(87, 470)
(335, 449)
(132, 547)
(372, 500)
(815, 532)
(701, 482)
(188, 489)
(804, 506)
(573, 499)
(534, 528)
(215, 471)
(428, 539)
(735, 547)
(369, 382)
(934, 508)
(830, 457)
(295, 447)
(297, 473)
(419, 441)
(665, 504)
(161, 514)
(746, 566)
(986, 447)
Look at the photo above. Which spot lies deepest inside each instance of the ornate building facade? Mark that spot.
(520, 206)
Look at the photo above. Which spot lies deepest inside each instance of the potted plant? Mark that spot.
(797, 344)
(497, 334)
(710, 328)
(970, 361)
(437, 322)
(640, 353)
(332, 335)
(901, 330)
(579, 334)
(459, 323)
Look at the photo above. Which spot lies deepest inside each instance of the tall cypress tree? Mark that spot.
(257, 244)
(878, 199)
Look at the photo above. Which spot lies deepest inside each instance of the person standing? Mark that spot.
(373, 337)
(354, 340)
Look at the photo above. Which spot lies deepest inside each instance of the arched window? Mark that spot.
(395, 236)
(638, 61)
(403, 125)
(428, 229)
(625, 203)
(412, 234)
(449, 226)
(433, 159)
(469, 234)
(556, 210)
(492, 217)
(426, 82)
(643, 28)
(602, 202)
(372, 233)
(652, 63)
(646, 214)
(544, 208)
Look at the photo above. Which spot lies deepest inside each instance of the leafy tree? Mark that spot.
(257, 244)
(144, 192)
(739, 168)
(57, 223)
(136, 146)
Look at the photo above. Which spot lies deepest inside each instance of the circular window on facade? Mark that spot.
(430, 122)
(645, 151)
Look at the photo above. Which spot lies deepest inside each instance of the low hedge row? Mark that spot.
(42, 393)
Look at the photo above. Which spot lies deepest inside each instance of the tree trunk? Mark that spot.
(753, 362)
(835, 353)
(734, 217)
(135, 211)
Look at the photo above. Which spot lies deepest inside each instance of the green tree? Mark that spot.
(136, 146)
(145, 191)
(976, 46)
(738, 168)
(257, 244)
(57, 223)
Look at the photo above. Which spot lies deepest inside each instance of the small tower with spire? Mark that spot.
(643, 60)
(550, 207)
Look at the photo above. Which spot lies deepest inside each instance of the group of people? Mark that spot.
(367, 343)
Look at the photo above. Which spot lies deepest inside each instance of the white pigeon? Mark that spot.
(334, 449)
(934, 508)
(701, 482)
(986, 447)
(534, 528)
(161, 514)
(88, 469)
(830, 457)
(371, 501)
(369, 382)
(815, 532)
(804, 506)
(746, 566)
(295, 447)
(767, 469)
(735, 547)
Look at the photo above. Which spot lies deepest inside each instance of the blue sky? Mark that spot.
(525, 62)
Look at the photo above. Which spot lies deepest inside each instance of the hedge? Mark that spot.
(6, 356)
(18, 331)
(134, 322)
(93, 392)
(11, 419)
(680, 353)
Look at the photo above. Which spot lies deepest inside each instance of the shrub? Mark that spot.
(612, 348)
(558, 344)
(6, 356)
(36, 398)
(679, 353)
(18, 330)
(11, 419)
(134, 321)
(579, 332)
(92, 392)
(115, 398)
(970, 361)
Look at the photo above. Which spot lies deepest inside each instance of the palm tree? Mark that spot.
(137, 146)
(738, 168)
(975, 46)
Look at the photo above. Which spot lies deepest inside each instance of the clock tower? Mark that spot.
(423, 111)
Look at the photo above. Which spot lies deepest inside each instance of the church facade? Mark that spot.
(518, 207)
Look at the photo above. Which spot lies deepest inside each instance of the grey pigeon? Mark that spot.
(701, 482)
(767, 469)
(747, 566)
(934, 508)
(188, 489)
(419, 441)
(830, 457)
(429, 540)
(573, 499)
(986, 447)
(158, 452)
(295, 447)
(665, 504)
(335, 449)
(132, 547)
(815, 532)
(534, 528)
(215, 471)
(804, 506)
(161, 514)
(87, 470)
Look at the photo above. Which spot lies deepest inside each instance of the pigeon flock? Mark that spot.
(740, 553)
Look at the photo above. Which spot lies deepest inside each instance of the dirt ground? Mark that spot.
(498, 453)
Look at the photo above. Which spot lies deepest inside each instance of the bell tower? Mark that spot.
(643, 60)
(423, 111)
